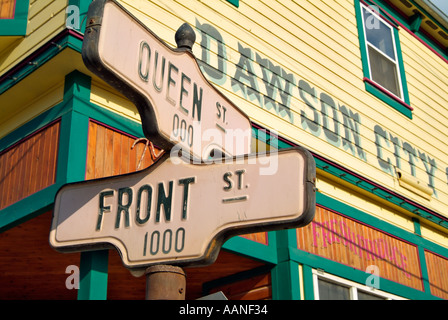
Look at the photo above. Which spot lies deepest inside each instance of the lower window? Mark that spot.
(329, 287)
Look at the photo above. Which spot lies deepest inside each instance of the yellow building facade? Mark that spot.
(361, 84)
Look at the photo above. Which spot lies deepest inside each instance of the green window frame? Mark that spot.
(380, 46)
(17, 25)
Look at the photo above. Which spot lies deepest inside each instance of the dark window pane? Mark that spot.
(368, 296)
(384, 72)
(332, 291)
(379, 34)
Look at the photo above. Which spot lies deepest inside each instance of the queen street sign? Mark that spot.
(180, 213)
(177, 105)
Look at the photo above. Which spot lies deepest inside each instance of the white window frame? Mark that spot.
(396, 62)
(351, 285)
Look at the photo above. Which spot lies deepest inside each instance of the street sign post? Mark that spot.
(180, 213)
(177, 105)
(180, 210)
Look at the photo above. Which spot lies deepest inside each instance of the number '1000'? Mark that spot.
(164, 242)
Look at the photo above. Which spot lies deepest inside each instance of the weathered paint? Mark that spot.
(349, 242)
(311, 90)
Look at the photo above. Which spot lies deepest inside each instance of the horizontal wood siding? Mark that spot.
(46, 18)
(354, 244)
(437, 273)
(295, 67)
(29, 166)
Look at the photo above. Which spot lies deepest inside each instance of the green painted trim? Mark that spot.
(408, 23)
(356, 275)
(357, 180)
(313, 261)
(17, 25)
(285, 281)
(308, 283)
(74, 131)
(365, 66)
(252, 249)
(109, 118)
(415, 22)
(424, 268)
(417, 229)
(375, 222)
(28, 208)
(72, 168)
(236, 3)
(93, 275)
(66, 39)
(388, 99)
(83, 6)
(32, 126)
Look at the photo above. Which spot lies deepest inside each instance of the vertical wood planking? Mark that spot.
(437, 272)
(354, 244)
(7, 8)
(29, 166)
(110, 153)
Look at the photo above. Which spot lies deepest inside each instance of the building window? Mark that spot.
(330, 287)
(7, 8)
(13, 17)
(383, 67)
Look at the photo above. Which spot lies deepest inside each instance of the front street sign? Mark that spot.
(177, 212)
(177, 105)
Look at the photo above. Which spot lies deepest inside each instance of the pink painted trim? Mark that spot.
(436, 254)
(112, 128)
(76, 34)
(384, 15)
(388, 234)
(367, 225)
(376, 185)
(414, 35)
(377, 86)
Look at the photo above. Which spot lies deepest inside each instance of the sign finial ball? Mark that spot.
(185, 36)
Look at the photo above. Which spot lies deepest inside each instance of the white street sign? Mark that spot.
(176, 212)
(177, 105)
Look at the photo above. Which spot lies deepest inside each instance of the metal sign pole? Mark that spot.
(161, 215)
(164, 282)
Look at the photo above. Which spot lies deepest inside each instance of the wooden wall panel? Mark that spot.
(110, 153)
(7, 8)
(29, 165)
(29, 268)
(305, 56)
(437, 273)
(254, 288)
(260, 237)
(354, 244)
